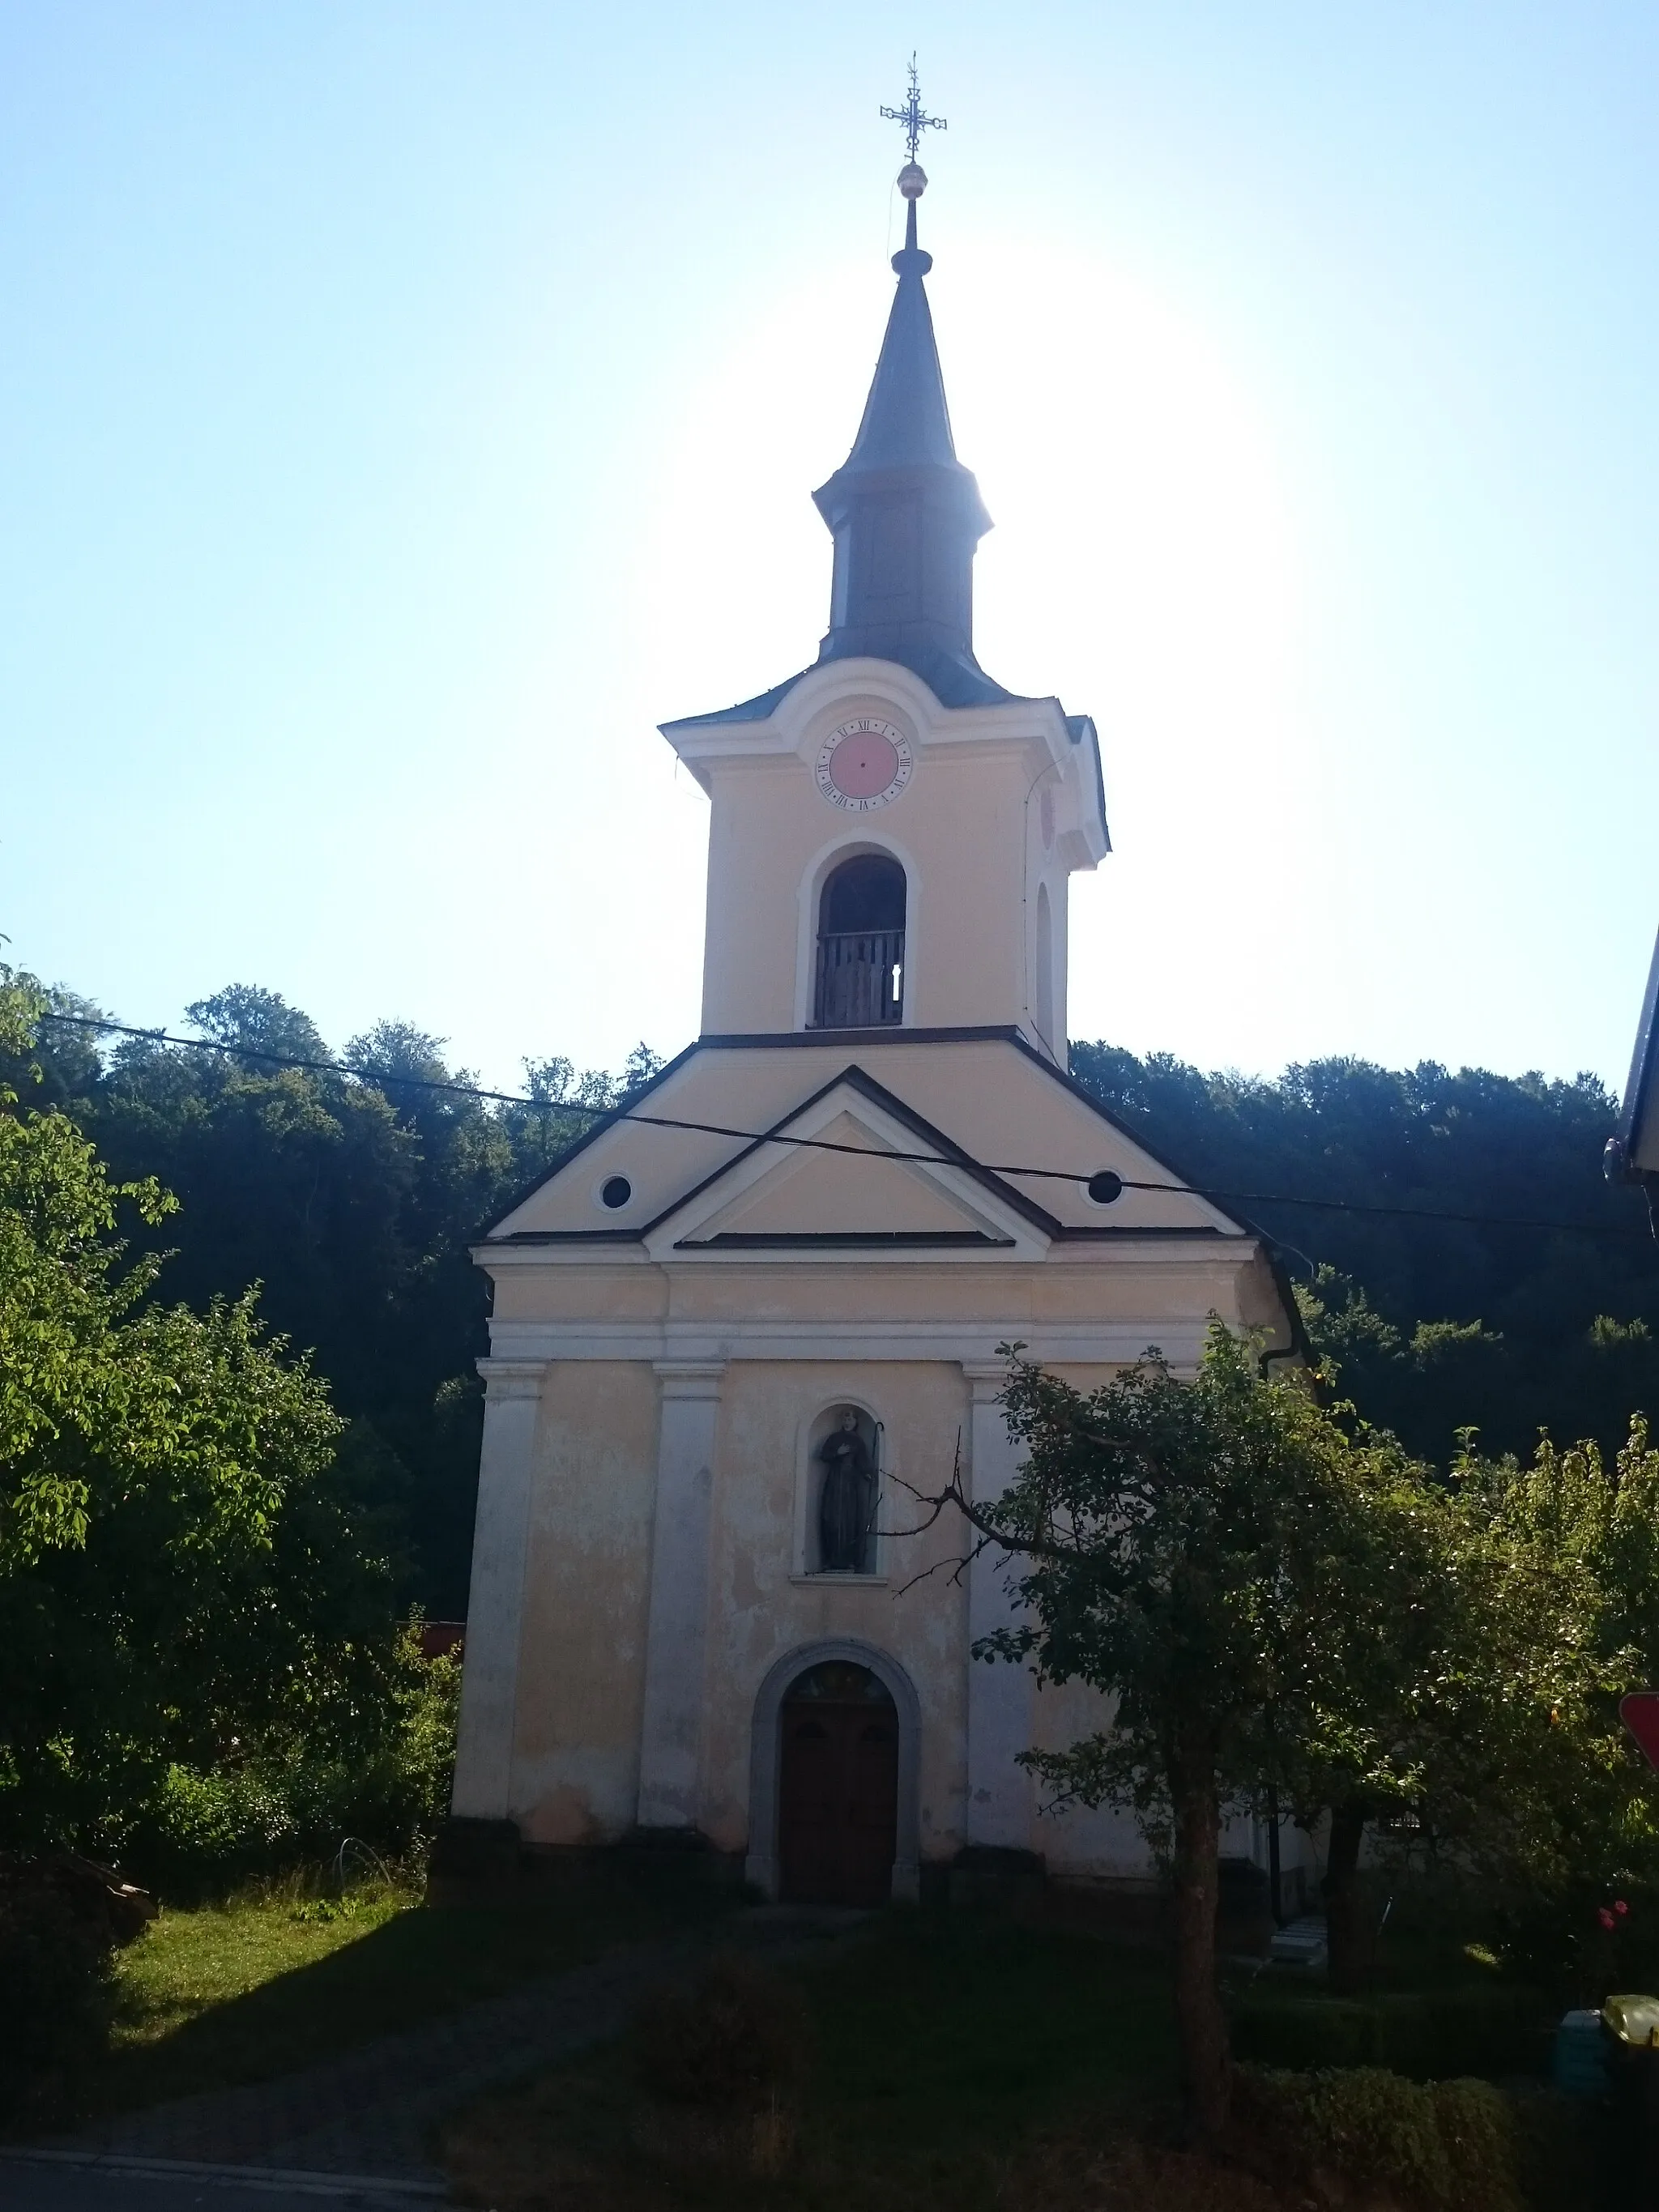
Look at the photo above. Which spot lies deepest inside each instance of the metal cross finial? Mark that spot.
(911, 115)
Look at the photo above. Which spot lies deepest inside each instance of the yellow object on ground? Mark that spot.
(1634, 2020)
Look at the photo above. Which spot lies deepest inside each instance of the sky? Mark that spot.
(405, 408)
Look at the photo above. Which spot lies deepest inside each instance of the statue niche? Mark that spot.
(846, 1499)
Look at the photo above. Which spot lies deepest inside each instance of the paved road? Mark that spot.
(27, 2186)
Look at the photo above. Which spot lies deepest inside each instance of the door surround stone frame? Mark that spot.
(765, 1759)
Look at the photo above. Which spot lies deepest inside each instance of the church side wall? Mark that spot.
(581, 1678)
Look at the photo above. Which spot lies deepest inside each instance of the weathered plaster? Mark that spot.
(641, 1599)
(575, 1769)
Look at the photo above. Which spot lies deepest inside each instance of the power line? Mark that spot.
(379, 1078)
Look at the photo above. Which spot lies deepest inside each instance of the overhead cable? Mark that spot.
(380, 1077)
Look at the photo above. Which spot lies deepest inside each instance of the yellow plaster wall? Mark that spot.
(1074, 1284)
(960, 827)
(758, 1613)
(581, 1667)
(638, 1291)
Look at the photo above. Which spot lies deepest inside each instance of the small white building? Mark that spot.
(811, 1232)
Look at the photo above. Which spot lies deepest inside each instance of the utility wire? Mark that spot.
(380, 1078)
(377, 1076)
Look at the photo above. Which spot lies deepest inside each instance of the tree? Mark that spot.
(1479, 1679)
(1204, 1553)
(248, 1020)
(64, 1387)
(353, 1200)
(1393, 1692)
(176, 1569)
(1531, 1773)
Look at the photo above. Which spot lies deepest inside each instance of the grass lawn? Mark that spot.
(268, 1981)
(944, 2047)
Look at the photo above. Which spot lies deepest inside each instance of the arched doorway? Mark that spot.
(861, 958)
(838, 1787)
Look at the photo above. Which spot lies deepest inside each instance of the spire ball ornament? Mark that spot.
(913, 181)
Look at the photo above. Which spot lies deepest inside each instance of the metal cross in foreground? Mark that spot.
(911, 115)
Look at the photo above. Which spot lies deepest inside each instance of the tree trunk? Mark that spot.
(1205, 2069)
(1345, 1911)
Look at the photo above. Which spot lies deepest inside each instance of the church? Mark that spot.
(756, 1312)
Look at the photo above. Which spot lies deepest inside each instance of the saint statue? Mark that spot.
(847, 1504)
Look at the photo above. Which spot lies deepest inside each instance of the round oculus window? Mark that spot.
(1105, 1188)
(614, 1191)
(863, 764)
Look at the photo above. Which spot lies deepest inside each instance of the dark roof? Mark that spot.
(906, 421)
(953, 682)
(906, 516)
(1637, 1140)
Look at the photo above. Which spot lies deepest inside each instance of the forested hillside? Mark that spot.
(353, 1201)
(1434, 1325)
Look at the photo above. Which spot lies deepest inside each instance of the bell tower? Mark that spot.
(892, 831)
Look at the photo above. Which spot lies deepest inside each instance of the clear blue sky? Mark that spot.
(404, 407)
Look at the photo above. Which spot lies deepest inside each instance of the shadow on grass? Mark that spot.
(425, 1960)
(943, 2046)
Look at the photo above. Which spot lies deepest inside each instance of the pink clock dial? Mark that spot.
(863, 764)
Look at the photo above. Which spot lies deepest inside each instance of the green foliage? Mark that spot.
(1435, 1325)
(1478, 2135)
(1445, 2147)
(352, 1201)
(1553, 1577)
(294, 1796)
(1220, 1556)
(178, 1572)
(211, 1589)
(69, 1390)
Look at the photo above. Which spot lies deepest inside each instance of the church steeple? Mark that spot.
(905, 515)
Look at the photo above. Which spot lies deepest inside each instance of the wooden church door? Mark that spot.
(838, 1788)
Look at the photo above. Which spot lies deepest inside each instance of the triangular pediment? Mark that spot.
(833, 1176)
(1005, 1145)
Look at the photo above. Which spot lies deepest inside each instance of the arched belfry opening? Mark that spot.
(860, 980)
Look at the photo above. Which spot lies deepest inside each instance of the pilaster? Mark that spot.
(677, 1625)
(999, 1717)
(500, 1543)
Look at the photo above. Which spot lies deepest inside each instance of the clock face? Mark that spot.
(863, 764)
